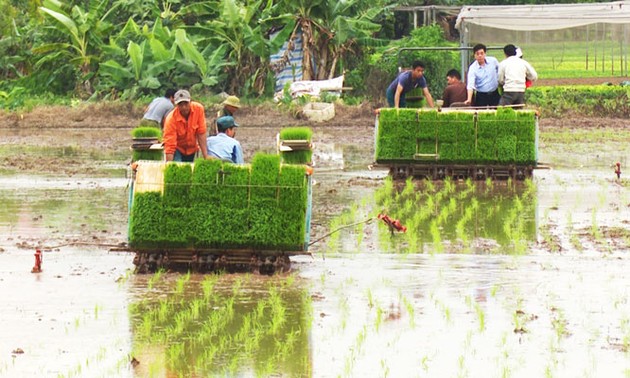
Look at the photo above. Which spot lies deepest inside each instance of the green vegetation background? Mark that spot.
(59, 52)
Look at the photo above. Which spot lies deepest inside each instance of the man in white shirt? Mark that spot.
(513, 72)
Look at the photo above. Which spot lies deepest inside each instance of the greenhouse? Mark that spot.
(570, 40)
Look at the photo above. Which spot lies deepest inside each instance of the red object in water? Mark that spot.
(618, 169)
(38, 262)
(394, 224)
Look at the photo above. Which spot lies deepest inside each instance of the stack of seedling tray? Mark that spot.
(295, 145)
(213, 204)
(469, 140)
(146, 143)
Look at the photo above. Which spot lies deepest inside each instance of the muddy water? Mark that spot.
(367, 303)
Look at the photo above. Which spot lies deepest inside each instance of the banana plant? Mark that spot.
(208, 65)
(330, 28)
(84, 31)
(241, 28)
(161, 59)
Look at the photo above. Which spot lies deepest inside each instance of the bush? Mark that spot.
(582, 100)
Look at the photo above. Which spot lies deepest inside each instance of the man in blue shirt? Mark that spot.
(483, 79)
(223, 145)
(405, 82)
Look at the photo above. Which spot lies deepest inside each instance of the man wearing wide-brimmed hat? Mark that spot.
(185, 129)
(230, 106)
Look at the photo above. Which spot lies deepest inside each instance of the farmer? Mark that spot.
(513, 74)
(483, 79)
(455, 92)
(405, 82)
(223, 145)
(185, 129)
(230, 106)
(158, 109)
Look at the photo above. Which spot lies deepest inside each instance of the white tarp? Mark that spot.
(544, 17)
(314, 87)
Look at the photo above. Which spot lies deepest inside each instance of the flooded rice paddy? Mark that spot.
(491, 279)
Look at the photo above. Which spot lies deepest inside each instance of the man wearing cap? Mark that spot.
(185, 129)
(223, 145)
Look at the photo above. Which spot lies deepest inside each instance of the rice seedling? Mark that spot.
(594, 230)
(489, 185)
(97, 309)
(370, 298)
(436, 237)
(559, 324)
(424, 363)
(155, 278)
(384, 368)
(181, 282)
(411, 311)
(379, 318)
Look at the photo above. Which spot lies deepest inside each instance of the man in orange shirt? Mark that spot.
(185, 129)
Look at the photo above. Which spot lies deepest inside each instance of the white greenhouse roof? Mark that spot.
(544, 17)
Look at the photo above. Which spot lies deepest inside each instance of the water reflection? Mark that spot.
(41, 208)
(453, 217)
(195, 325)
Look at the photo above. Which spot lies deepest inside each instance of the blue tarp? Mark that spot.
(293, 70)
